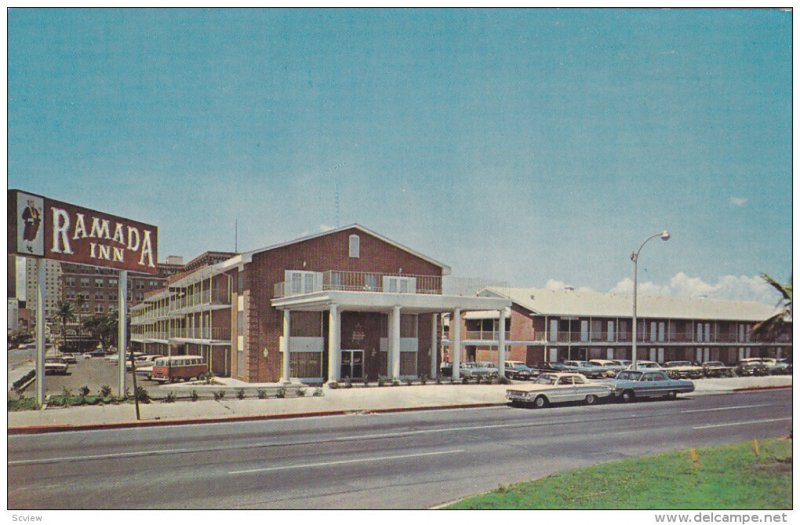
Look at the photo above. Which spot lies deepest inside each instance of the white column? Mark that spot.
(122, 315)
(394, 344)
(434, 347)
(334, 327)
(41, 346)
(501, 344)
(455, 344)
(287, 326)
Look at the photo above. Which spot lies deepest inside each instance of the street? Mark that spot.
(390, 461)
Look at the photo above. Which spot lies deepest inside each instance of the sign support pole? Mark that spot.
(122, 295)
(41, 343)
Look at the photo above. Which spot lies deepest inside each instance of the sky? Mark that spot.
(535, 147)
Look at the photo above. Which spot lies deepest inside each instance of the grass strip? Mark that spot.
(727, 477)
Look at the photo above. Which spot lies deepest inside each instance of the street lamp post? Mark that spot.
(635, 258)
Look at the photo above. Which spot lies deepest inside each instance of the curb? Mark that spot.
(47, 429)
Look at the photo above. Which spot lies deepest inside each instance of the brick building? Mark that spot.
(550, 325)
(343, 303)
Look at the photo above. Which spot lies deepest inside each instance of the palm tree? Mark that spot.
(64, 313)
(771, 328)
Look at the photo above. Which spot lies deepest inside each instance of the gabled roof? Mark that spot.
(247, 257)
(585, 303)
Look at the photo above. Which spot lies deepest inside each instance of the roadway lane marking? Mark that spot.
(725, 408)
(346, 461)
(100, 456)
(754, 422)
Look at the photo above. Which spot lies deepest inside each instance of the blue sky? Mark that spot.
(538, 147)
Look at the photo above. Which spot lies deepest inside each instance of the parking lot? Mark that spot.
(94, 373)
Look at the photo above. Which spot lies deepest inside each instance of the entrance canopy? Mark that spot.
(383, 302)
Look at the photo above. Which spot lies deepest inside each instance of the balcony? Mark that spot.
(205, 333)
(310, 282)
(183, 303)
(564, 337)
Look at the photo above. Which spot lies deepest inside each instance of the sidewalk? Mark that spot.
(332, 402)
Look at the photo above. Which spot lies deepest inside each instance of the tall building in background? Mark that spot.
(52, 288)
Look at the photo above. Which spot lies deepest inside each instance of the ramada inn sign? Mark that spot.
(43, 227)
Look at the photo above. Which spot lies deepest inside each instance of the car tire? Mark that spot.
(672, 394)
(541, 402)
(628, 396)
(590, 399)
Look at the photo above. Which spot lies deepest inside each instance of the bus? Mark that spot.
(173, 368)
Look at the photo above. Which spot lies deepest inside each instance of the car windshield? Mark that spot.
(714, 363)
(679, 363)
(629, 375)
(546, 380)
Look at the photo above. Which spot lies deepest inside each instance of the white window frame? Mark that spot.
(354, 246)
(308, 282)
(398, 284)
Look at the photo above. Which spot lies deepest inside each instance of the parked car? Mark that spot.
(632, 384)
(776, 366)
(612, 367)
(717, 369)
(552, 366)
(586, 368)
(645, 365)
(623, 362)
(752, 366)
(520, 371)
(55, 365)
(69, 358)
(558, 387)
(473, 370)
(683, 370)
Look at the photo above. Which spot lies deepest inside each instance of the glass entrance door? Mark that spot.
(352, 364)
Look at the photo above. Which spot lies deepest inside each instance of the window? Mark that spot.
(85, 281)
(112, 282)
(98, 283)
(70, 281)
(299, 282)
(392, 284)
(98, 308)
(354, 247)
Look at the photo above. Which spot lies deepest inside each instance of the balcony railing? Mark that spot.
(626, 337)
(204, 298)
(206, 332)
(360, 282)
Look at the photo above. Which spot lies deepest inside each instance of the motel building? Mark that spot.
(346, 303)
(544, 325)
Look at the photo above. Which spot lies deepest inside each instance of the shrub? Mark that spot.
(503, 380)
(240, 393)
(141, 395)
(219, 395)
(262, 394)
(381, 380)
(317, 392)
(366, 382)
(281, 392)
(409, 381)
(194, 395)
(452, 381)
(105, 391)
(348, 383)
(84, 390)
(92, 400)
(333, 385)
(170, 398)
(465, 381)
(301, 392)
(66, 392)
(395, 382)
(423, 380)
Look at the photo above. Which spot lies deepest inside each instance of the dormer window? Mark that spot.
(354, 246)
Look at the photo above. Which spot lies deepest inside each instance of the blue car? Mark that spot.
(632, 384)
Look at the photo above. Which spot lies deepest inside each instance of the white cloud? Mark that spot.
(732, 287)
(326, 227)
(555, 284)
(738, 201)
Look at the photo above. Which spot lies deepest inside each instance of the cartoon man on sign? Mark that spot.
(32, 220)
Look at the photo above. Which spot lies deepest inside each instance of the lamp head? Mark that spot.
(665, 235)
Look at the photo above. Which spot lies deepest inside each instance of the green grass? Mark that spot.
(727, 477)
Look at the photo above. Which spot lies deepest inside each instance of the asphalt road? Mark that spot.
(94, 373)
(390, 461)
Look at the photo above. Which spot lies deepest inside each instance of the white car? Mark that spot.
(558, 388)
